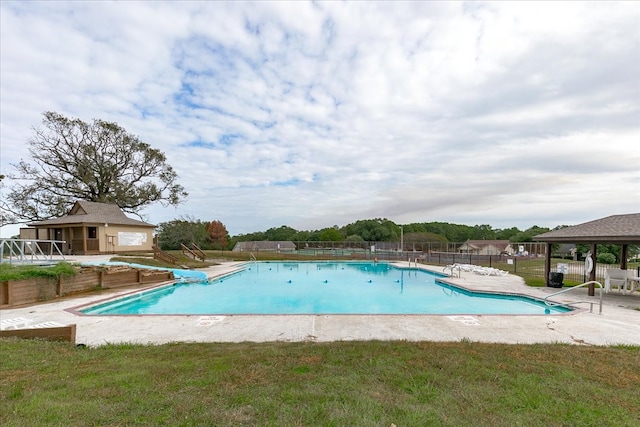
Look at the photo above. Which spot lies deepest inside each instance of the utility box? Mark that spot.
(555, 279)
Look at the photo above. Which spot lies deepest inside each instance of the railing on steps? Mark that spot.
(593, 282)
(198, 251)
(195, 253)
(161, 255)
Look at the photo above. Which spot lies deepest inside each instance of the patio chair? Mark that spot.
(47, 324)
(618, 278)
(15, 323)
(633, 281)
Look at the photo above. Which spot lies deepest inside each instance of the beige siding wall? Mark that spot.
(28, 233)
(108, 239)
(119, 238)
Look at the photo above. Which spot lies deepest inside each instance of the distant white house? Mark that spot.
(487, 247)
(566, 250)
(265, 245)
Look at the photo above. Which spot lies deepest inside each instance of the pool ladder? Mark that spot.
(593, 282)
(253, 259)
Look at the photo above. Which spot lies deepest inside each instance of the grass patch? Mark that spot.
(20, 272)
(334, 384)
(182, 260)
(145, 261)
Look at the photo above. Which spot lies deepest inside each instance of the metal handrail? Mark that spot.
(592, 282)
(450, 267)
(29, 250)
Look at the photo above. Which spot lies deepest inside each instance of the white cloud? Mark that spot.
(314, 114)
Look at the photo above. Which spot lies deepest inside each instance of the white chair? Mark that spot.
(616, 277)
(633, 281)
(47, 324)
(15, 323)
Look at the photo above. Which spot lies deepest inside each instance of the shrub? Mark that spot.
(606, 258)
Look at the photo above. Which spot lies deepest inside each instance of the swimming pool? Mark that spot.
(320, 288)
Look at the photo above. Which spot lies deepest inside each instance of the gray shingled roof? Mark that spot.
(481, 243)
(620, 229)
(265, 245)
(84, 212)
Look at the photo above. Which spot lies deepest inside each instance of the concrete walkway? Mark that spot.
(618, 324)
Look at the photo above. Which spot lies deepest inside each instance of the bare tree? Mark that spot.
(98, 161)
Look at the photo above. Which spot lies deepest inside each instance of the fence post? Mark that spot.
(59, 286)
(515, 264)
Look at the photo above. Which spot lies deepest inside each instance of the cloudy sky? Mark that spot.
(314, 114)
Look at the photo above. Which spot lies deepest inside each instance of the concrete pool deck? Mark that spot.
(619, 322)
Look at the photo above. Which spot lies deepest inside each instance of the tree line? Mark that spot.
(187, 230)
(214, 235)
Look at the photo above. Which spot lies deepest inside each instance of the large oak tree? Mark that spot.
(98, 161)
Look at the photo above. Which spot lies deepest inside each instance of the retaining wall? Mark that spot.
(27, 291)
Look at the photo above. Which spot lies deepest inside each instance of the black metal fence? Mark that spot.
(527, 259)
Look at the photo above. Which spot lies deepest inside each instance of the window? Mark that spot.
(92, 232)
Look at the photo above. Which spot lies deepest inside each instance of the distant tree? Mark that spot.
(250, 237)
(414, 228)
(98, 161)
(528, 234)
(506, 233)
(184, 230)
(453, 232)
(416, 241)
(280, 234)
(5, 216)
(424, 237)
(371, 230)
(218, 234)
(560, 227)
(614, 250)
(301, 236)
(330, 234)
(606, 258)
(483, 232)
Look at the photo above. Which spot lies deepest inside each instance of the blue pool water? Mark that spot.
(321, 288)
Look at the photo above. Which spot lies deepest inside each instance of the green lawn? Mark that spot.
(319, 384)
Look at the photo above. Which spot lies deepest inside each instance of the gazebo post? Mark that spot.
(84, 239)
(592, 274)
(624, 255)
(547, 264)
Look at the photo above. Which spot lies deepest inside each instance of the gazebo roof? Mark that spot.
(615, 229)
(84, 212)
